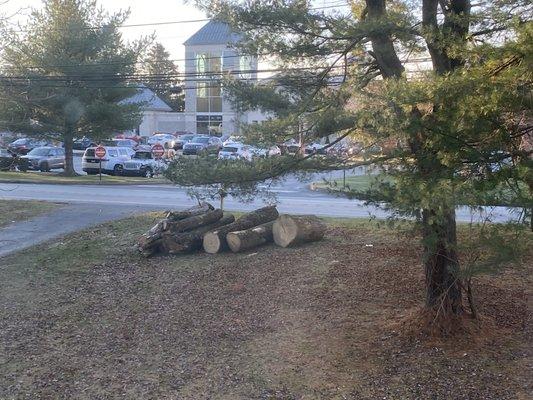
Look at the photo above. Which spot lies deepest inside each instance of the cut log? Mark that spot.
(250, 238)
(191, 223)
(149, 242)
(187, 242)
(290, 230)
(200, 209)
(215, 241)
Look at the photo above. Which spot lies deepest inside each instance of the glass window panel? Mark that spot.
(201, 89)
(215, 104)
(216, 65)
(202, 128)
(202, 104)
(201, 63)
(215, 90)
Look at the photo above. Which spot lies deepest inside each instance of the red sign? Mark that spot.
(100, 152)
(158, 150)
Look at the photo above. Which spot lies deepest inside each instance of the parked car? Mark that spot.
(143, 163)
(202, 144)
(233, 139)
(182, 140)
(135, 138)
(120, 143)
(83, 143)
(235, 151)
(112, 164)
(262, 152)
(315, 148)
(45, 158)
(25, 145)
(166, 140)
(10, 161)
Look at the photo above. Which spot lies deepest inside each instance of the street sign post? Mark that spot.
(100, 153)
(158, 151)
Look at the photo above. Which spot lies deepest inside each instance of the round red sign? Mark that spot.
(100, 152)
(158, 150)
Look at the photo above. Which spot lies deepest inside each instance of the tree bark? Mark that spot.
(149, 243)
(441, 264)
(201, 208)
(187, 242)
(383, 50)
(69, 155)
(215, 242)
(250, 238)
(291, 230)
(194, 222)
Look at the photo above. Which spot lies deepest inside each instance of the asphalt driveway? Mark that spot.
(63, 220)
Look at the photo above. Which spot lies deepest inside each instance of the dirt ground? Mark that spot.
(87, 318)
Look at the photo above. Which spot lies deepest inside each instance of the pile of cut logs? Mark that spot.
(207, 228)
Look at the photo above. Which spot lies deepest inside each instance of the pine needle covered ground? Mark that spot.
(86, 317)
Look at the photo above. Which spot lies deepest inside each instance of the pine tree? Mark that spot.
(65, 74)
(458, 126)
(161, 75)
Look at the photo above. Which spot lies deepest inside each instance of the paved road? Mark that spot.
(59, 222)
(291, 199)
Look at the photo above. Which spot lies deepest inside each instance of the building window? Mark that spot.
(246, 66)
(209, 125)
(209, 97)
(208, 63)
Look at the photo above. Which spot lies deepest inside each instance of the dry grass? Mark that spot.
(87, 318)
(20, 210)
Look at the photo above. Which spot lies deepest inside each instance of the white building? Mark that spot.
(209, 55)
(157, 115)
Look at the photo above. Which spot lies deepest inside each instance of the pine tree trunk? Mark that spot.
(194, 222)
(441, 264)
(69, 155)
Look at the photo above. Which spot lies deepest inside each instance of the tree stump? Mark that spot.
(291, 230)
(215, 241)
(187, 242)
(248, 239)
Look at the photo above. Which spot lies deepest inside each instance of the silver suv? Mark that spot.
(46, 158)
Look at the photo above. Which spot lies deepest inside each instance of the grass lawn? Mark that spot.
(500, 196)
(86, 317)
(51, 177)
(19, 210)
(357, 182)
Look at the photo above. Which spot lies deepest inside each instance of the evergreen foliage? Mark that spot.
(457, 129)
(64, 75)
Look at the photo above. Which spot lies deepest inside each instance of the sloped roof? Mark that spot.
(214, 32)
(150, 101)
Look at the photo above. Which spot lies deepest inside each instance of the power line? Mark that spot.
(178, 22)
(201, 75)
(222, 56)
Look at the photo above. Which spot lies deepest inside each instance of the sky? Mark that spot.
(142, 11)
(145, 11)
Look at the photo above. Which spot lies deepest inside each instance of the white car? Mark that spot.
(112, 163)
(166, 140)
(143, 163)
(235, 151)
(233, 139)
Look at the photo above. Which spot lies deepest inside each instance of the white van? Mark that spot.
(112, 163)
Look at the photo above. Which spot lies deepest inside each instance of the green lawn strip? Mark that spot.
(500, 196)
(54, 178)
(20, 210)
